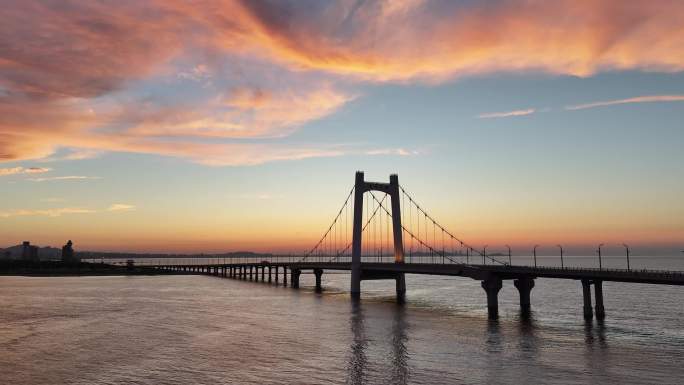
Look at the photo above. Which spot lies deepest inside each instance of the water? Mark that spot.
(207, 330)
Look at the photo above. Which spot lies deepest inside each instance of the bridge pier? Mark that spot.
(269, 273)
(401, 288)
(492, 286)
(318, 273)
(263, 272)
(276, 275)
(251, 273)
(586, 293)
(524, 286)
(598, 294)
(295, 278)
(285, 276)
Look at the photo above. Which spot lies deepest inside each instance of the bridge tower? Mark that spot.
(357, 274)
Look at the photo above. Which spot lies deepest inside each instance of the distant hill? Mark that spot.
(44, 253)
(99, 254)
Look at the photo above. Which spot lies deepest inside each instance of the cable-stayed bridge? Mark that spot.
(381, 232)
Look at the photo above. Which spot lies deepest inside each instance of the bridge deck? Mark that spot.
(482, 272)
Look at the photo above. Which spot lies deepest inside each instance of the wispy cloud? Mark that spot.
(392, 151)
(121, 207)
(58, 212)
(22, 170)
(46, 213)
(507, 114)
(638, 99)
(52, 200)
(68, 177)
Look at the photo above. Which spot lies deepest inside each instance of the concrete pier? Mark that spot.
(269, 273)
(401, 288)
(598, 294)
(318, 273)
(524, 286)
(586, 294)
(295, 278)
(492, 286)
(284, 276)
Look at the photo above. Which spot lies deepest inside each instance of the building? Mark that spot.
(68, 255)
(28, 252)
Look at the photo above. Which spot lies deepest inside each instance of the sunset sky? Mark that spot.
(212, 126)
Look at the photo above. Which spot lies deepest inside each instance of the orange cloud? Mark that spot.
(243, 113)
(71, 72)
(435, 41)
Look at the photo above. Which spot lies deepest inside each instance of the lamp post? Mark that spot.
(627, 252)
(509, 255)
(484, 254)
(599, 255)
(561, 251)
(534, 252)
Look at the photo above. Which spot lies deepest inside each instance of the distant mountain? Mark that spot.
(99, 254)
(44, 253)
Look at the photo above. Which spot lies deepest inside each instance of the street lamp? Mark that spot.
(484, 254)
(626, 251)
(599, 255)
(561, 251)
(509, 255)
(534, 252)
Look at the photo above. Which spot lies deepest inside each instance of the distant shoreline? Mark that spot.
(60, 269)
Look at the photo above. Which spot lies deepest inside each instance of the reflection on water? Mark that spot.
(358, 360)
(400, 372)
(528, 343)
(357, 357)
(595, 334)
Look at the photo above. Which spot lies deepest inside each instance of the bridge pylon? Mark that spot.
(361, 186)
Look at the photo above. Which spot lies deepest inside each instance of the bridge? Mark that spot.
(379, 240)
